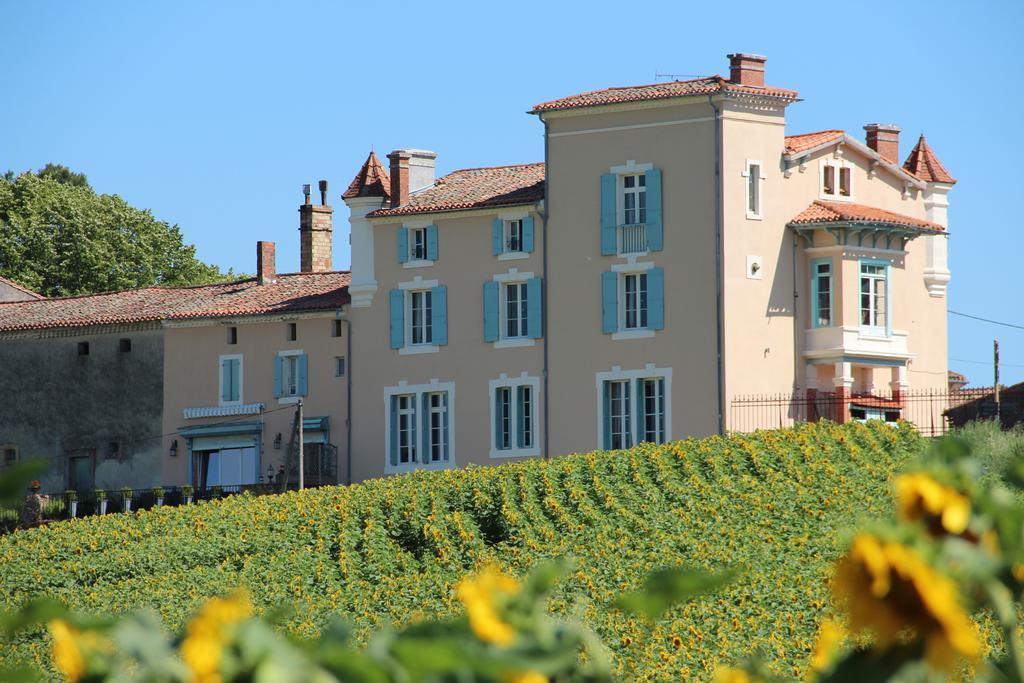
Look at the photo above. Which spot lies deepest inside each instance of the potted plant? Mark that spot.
(216, 491)
(71, 496)
(126, 496)
(187, 492)
(158, 493)
(101, 500)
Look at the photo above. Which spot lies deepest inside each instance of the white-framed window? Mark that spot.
(513, 237)
(874, 297)
(634, 198)
(821, 284)
(515, 318)
(419, 426)
(230, 380)
(290, 375)
(634, 301)
(339, 366)
(514, 430)
(836, 179)
(634, 406)
(754, 179)
(420, 317)
(418, 244)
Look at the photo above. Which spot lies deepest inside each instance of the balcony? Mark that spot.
(633, 238)
(828, 343)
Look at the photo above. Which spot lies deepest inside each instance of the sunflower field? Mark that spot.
(778, 506)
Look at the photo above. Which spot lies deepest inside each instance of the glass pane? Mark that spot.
(829, 180)
(629, 181)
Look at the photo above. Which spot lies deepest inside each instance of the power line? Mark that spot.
(987, 320)
(986, 362)
(209, 424)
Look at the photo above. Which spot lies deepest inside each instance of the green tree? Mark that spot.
(60, 238)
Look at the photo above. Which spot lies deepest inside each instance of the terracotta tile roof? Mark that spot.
(291, 293)
(21, 288)
(371, 181)
(476, 188)
(844, 212)
(798, 143)
(658, 91)
(923, 163)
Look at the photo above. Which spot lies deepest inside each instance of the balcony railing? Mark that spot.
(633, 238)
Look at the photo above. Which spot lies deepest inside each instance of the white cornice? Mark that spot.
(802, 156)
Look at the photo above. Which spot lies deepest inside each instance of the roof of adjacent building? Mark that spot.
(372, 180)
(290, 293)
(21, 288)
(804, 141)
(845, 212)
(476, 188)
(923, 163)
(659, 91)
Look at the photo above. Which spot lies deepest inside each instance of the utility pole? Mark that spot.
(995, 354)
(302, 464)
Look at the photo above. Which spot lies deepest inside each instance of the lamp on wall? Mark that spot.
(174, 448)
(270, 474)
(277, 442)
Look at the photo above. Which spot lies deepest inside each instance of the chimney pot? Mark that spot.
(306, 192)
(316, 234)
(399, 177)
(884, 138)
(266, 266)
(747, 69)
(323, 193)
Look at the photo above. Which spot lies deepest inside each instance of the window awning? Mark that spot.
(231, 435)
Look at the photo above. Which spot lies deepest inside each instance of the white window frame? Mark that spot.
(422, 423)
(631, 267)
(837, 163)
(874, 330)
(513, 384)
(618, 374)
(432, 410)
(513, 276)
(220, 379)
(411, 227)
(624, 312)
(521, 319)
(427, 323)
(414, 442)
(507, 217)
(290, 398)
(631, 167)
(758, 213)
(416, 284)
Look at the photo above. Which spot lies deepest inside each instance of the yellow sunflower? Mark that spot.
(923, 498)
(208, 632)
(888, 589)
(830, 639)
(480, 597)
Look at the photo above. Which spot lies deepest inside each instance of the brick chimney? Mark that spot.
(399, 176)
(266, 266)
(316, 233)
(884, 138)
(747, 69)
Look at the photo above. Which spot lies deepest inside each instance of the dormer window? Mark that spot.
(634, 199)
(836, 180)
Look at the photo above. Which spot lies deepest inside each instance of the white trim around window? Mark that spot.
(422, 422)
(414, 285)
(754, 189)
(290, 398)
(513, 276)
(527, 418)
(631, 267)
(220, 379)
(841, 168)
(635, 403)
(412, 227)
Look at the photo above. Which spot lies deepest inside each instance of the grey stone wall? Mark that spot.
(56, 403)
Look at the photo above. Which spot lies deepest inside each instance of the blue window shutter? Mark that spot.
(225, 380)
(497, 236)
(520, 422)
(655, 232)
(397, 303)
(609, 302)
(403, 245)
(303, 369)
(656, 299)
(445, 421)
(609, 183)
(439, 299)
(425, 455)
(394, 431)
(431, 242)
(607, 417)
(535, 308)
(278, 362)
(528, 234)
(490, 311)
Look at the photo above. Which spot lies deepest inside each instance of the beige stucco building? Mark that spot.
(675, 251)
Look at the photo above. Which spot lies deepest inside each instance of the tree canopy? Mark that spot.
(59, 238)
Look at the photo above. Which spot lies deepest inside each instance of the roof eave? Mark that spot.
(859, 146)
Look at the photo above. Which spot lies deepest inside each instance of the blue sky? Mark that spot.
(214, 114)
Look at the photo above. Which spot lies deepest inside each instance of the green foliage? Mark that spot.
(58, 237)
(391, 550)
(994, 449)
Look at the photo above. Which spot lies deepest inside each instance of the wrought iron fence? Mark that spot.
(632, 238)
(933, 412)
